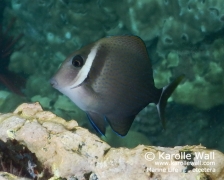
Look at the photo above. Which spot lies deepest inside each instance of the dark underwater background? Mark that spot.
(182, 37)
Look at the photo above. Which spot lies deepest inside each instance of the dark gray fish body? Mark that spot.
(112, 80)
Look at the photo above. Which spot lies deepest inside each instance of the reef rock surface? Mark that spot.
(57, 149)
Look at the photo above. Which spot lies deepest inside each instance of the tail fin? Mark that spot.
(166, 93)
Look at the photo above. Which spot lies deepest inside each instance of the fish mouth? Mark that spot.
(53, 82)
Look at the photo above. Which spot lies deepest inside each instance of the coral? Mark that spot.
(203, 69)
(9, 101)
(69, 151)
(169, 28)
(44, 101)
(11, 80)
(33, 86)
(177, 24)
(21, 63)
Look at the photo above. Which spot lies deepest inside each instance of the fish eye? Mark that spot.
(77, 61)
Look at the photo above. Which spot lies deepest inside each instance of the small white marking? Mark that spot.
(83, 73)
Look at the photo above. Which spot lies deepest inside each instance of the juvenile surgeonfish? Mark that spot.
(112, 81)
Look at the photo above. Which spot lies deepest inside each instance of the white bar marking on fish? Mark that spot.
(83, 73)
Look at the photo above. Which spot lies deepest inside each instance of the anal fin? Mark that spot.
(97, 121)
(121, 125)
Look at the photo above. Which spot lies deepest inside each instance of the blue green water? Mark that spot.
(181, 37)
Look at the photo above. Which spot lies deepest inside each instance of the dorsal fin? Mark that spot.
(119, 125)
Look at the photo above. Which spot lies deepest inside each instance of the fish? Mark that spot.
(112, 81)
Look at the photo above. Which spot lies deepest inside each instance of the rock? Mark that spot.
(56, 148)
